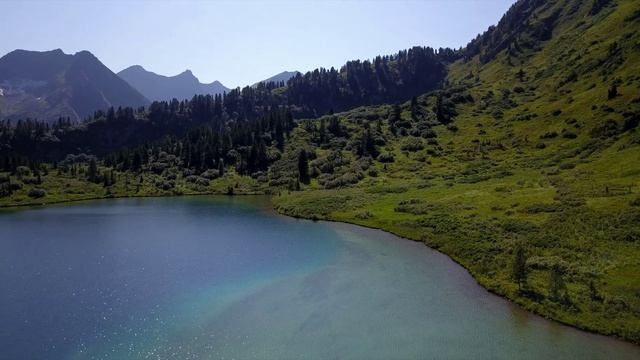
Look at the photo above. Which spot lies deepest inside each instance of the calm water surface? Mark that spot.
(223, 278)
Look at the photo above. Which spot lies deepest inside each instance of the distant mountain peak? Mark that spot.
(283, 76)
(51, 84)
(159, 87)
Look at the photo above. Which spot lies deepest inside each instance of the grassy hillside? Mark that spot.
(541, 157)
(533, 143)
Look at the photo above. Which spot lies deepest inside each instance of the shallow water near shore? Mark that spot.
(225, 277)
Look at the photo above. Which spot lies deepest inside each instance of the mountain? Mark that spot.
(159, 87)
(281, 77)
(51, 84)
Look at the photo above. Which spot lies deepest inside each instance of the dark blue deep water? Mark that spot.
(222, 278)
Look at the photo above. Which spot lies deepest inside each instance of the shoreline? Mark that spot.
(473, 275)
(475, 278)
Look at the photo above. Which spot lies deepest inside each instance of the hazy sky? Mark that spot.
(240, 42)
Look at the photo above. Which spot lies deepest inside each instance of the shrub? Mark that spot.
(631, 121)
(569, 135)
(37, 193)
(157, 167)
(210, 174)
(364, 215)
(567, 166)
(31, 180)
(386, 157)
(606, 130)
(412, 144)
(635, 202)
(549, 135)
(23, 171)
(542, 208)
(202, 181)
(429, 134)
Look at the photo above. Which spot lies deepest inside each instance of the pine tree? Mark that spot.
(557, 287)
(303, 167)
(519, 271)
(92, 173)
(612, 92)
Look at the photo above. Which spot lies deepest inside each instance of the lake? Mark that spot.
(227, 278)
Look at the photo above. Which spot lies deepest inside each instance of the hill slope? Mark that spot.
(51, 84)
(281, 77)
(158, 87)
(541, 152)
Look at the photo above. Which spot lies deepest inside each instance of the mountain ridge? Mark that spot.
(50, 84)
(159, 87)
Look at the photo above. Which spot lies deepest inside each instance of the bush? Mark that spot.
(569, 135)
(412, 144)
(567, 166)
(202, 181)
(37, 193)
(210, 174)
(364, 215)
(23, 171)
(31, 180)
(606, 130)
(549, 135)
(635, 202)
(542, 208)
(631, 121)
(158, 167)
(429, 134)
(386, 157)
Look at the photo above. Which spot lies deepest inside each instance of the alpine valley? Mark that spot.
(518, 156)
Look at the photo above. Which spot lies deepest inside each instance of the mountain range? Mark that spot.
(51, 84)
(159, 87)
(48, 85)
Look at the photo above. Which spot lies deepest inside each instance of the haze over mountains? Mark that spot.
(48, 85)
(159, 87)
(51, 84)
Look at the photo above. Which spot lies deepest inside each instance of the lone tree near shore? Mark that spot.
(303, 167)
(519, 271)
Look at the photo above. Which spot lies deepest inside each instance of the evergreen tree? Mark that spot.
(557, 287)
(612, 92)
(303, 167)
(519, 270)
(92, 172)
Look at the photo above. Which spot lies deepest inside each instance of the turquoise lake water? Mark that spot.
(226, 278)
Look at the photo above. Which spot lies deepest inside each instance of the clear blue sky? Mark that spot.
(241, 42)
